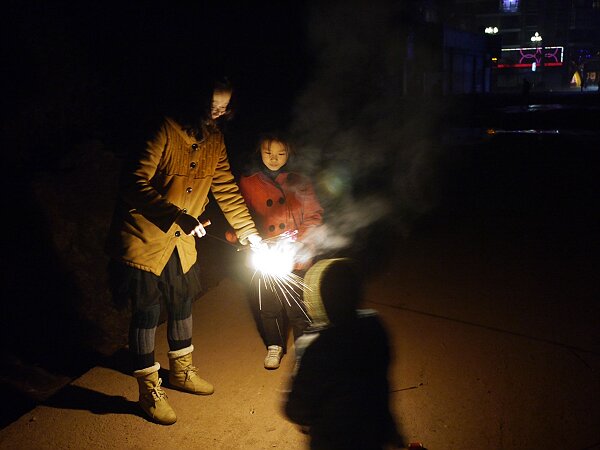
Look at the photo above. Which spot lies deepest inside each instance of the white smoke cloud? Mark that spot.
(350, 121)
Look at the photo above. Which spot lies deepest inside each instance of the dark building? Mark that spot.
(441, 57)
(555, 44)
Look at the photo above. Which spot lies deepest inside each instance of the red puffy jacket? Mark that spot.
(287, 203)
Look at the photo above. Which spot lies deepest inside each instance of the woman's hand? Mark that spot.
(191, 226)
(255, 241)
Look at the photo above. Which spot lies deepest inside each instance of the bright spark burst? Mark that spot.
(274, 264)
(275, 260)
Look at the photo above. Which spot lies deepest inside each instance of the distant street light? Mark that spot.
(491, 30)
(536, 38)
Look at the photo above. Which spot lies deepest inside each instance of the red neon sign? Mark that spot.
(525, 57)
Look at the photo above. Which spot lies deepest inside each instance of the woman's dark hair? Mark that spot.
(192, 107)
(223, 84)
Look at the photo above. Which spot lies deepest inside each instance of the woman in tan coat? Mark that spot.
(153, 242)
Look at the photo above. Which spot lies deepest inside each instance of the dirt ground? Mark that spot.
(491, 303)
(488, 355)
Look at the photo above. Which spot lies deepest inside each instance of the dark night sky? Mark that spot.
(329, 71)
(109, 63)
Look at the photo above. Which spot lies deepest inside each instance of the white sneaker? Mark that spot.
(274, 353)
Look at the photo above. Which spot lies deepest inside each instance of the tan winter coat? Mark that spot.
(174, 175)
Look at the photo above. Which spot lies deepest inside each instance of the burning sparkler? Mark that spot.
(273, 262)
(275, 256)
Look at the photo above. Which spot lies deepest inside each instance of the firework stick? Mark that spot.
(204, 224)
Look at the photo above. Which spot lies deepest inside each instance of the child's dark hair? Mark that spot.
(341, 289)
(278, 136)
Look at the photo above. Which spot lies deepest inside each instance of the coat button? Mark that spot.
(188, 190)
(281, 200)
(184, 210)
(193, 164)
(194, 146)
(282, 226)
(177, 233)
(271, 227)
(269, 203)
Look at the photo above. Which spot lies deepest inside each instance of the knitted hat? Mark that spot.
(333, 290)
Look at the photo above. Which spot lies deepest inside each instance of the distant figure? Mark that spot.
(280, 200)
(152, 240)
(339, 391)
(584, 82)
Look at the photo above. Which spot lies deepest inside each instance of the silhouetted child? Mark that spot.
(340, 391)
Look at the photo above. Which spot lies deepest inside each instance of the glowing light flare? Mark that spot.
(275, 259)
(335, 181)
(276, 255)
(273, 262)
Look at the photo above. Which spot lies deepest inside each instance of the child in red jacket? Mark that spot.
(281, 201)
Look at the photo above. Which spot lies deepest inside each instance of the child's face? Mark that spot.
(274, 155)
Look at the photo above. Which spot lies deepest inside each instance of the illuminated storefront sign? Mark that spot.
(525, 57)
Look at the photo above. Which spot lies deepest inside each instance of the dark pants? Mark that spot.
(147, 293)
(280, 308)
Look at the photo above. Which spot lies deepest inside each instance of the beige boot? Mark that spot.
(184, 376)
(153, 399)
